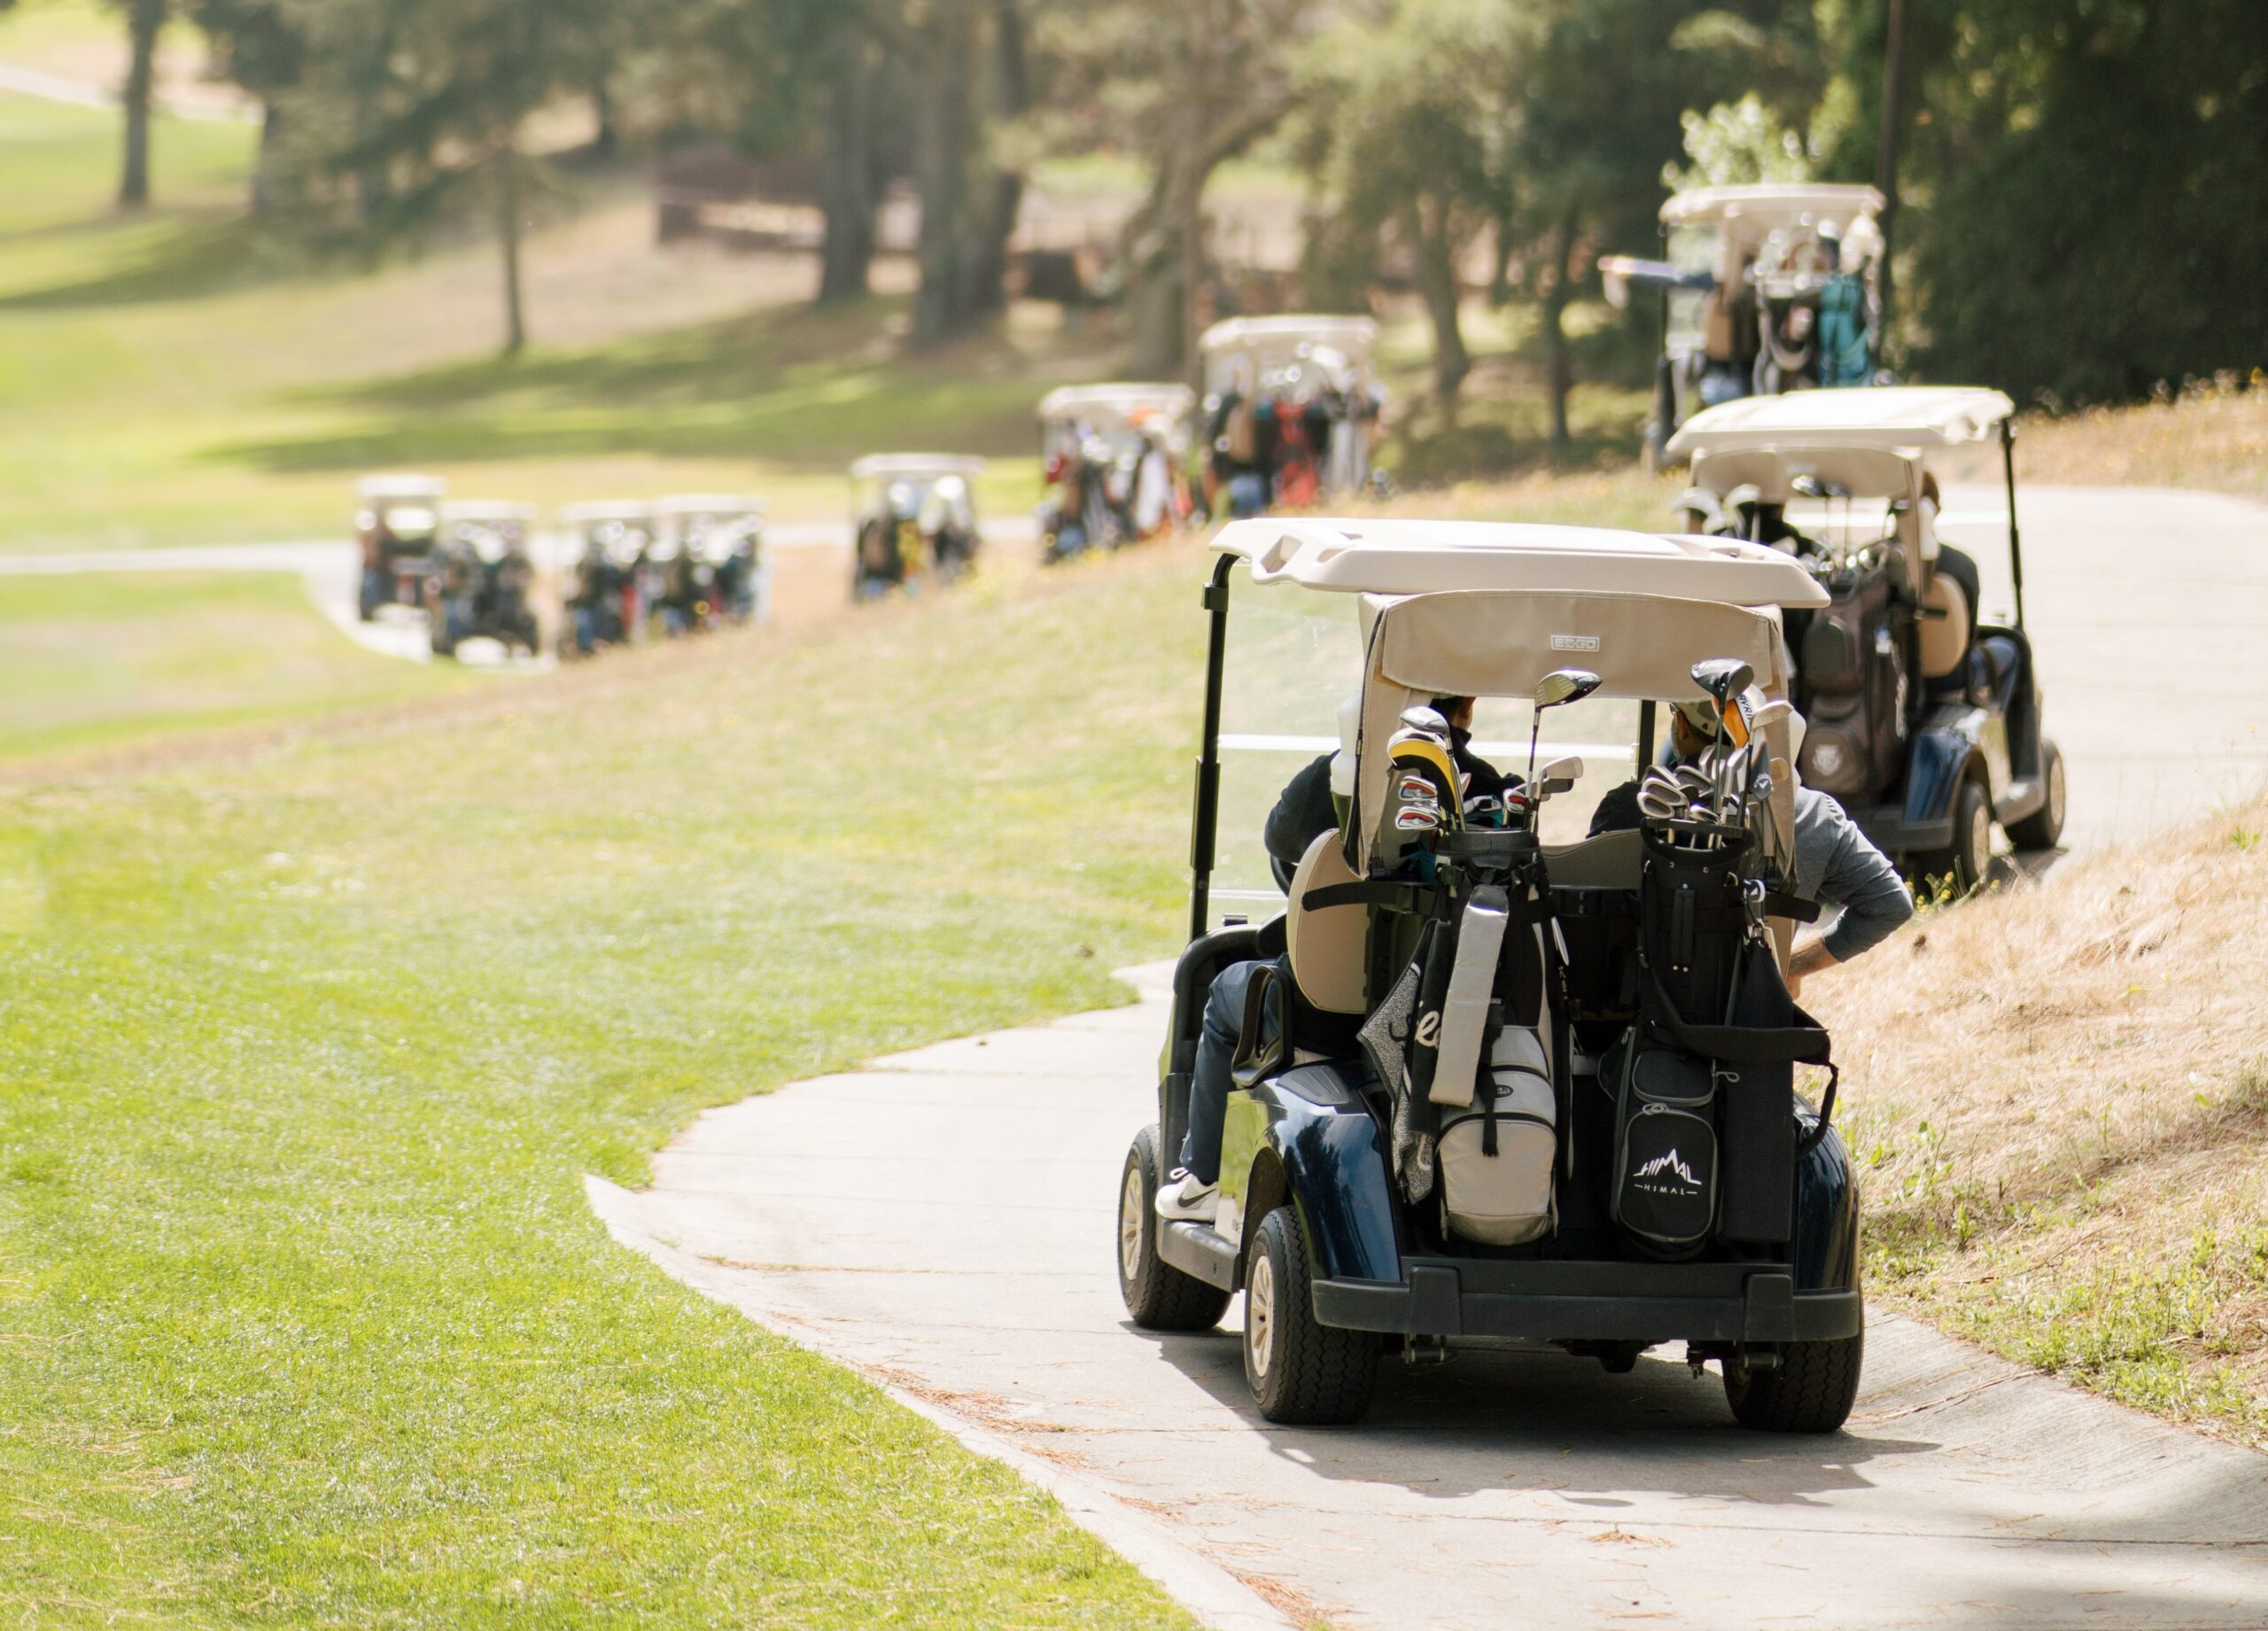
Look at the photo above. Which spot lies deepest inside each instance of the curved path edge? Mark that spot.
(1216, 1597)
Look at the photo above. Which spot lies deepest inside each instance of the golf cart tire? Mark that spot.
(1314, 1375)
(2043, 828)
(1158, 1296)
(1812, 1390)
(1955, 871)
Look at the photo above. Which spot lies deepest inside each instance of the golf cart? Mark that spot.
(1493, 1084)
(481, 582)
(600, 574)
(913, 519)
(397, 520)
(1925, 719)
(1292, 411)
(1766, 288)
(1113, 459)
(707, 556)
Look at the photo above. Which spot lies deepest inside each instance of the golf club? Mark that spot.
(1557, 689)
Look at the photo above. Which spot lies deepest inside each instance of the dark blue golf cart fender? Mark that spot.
(1307, 1138)
(1995, 741)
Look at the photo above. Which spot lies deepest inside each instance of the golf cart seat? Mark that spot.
(1327, 945)
(1947, 623)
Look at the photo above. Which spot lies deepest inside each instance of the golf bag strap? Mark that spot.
(1818, 1135)
(1780, 904)
(1804, 1043)
(1418, 899)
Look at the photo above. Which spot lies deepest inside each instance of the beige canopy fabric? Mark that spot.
(916, 467)
(1501, 643)
(401, 489)
(1771, 205)
(1117, 401)
(1911, 419)
(1862, 472)
(1422, 557)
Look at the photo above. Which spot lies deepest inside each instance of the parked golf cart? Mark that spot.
(481, 582)
(1501, 1086)
(1925, 719)
(600, 569)
(708, 562)
(1292, 411)
(1114, 459)
(913, 520)
(1767, 288)
(399, 519)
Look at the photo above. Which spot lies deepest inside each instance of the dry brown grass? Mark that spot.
(2057, 1094)
(2213, 436)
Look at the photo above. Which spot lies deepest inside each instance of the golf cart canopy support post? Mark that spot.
(2015, 540)
(1208, 813)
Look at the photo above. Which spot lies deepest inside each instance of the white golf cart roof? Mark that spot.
(1399, 558)
(1116, 401)
(478, 510)
(736, 505)
(1286, 335)
(1767, 206)
(401, 489)
(1906, 419)
(916, 467)
(630, 512)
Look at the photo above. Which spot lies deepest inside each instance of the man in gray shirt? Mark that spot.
(1836, 864)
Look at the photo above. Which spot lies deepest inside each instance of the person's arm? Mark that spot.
(1303, 812)
(1838, 865)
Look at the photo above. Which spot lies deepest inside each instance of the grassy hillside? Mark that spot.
(98, 661)
(311, 1040)
(2059, 1096)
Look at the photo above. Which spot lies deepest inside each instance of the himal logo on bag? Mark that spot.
(1666, 1174)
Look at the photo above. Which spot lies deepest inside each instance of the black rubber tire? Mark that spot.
(1314, 1375)
(1811, 1391)
(1962, 868)
(1620, 1358)
(2043, 828)
(1158, 1296)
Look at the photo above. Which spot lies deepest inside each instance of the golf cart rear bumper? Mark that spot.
(1602, 1302)
(1889, 830)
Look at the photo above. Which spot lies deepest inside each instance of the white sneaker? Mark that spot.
(1187, 1200)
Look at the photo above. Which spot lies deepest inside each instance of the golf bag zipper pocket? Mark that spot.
(1499, 1158)
(1665, 1191)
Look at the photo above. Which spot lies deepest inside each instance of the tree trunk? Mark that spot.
(265, 162)
(508, 224)
(942, 175)
(606, 141)
(1555, 324)
(846, 254)
(984, 269)
(144, 20)
(1431, 228)
(1886, 145)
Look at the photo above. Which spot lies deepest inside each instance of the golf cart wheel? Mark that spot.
(2043, 828)
(1302, 1373)
(1158, 1296)
(1811, 1391)
(1964, 868)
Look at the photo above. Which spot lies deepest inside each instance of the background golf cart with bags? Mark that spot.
(1767, 288)
(913, 520)
(480, 582)
(1502, 1086)
(1292, 411)
(1924, 719)
(1113, 460)
(397, 523)
(601, 571)
(705, 565)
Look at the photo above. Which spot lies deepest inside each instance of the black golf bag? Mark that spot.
(1855, 686)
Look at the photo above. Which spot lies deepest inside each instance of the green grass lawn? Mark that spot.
(103, 661)
(303, 1320)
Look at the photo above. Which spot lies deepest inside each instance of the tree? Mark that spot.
(1187, 85)
(145, 22)
(258, 45)
(1404, 149)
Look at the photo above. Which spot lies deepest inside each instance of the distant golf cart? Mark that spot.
(398, 522)
(482, 582)
(1114, 460)
(708, 563)
(913, 519)
(1924, 720)
(1487, 1085)
(1292, 411)
(1767, 289)
(601, 572)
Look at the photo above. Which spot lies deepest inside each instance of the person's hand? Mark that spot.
(1809, 959)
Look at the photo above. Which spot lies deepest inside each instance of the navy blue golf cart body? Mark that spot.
(1925, 715)
(1314, 1223)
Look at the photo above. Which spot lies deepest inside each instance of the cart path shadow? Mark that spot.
(945, 1222)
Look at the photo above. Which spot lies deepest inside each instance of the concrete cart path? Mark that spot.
(945, 1220)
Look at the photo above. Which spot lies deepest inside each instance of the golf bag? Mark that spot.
(1705, 1139)
(1855, 686)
